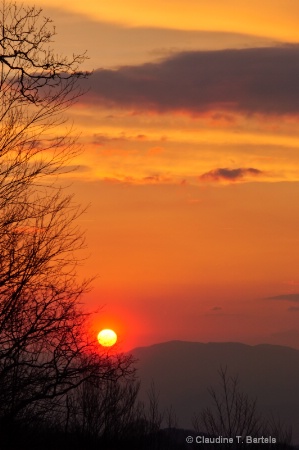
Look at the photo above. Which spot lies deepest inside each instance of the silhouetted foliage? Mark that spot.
(102, 409)
(234, 413)
(45, 348)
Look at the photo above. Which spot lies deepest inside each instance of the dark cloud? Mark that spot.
(293, 309)
(286, 297)
(255, 80)
(229, 174)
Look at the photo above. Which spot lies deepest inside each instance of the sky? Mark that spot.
(190, 166)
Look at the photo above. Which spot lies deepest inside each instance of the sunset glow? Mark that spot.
(190, 165)
(276, 20)
(149, 225)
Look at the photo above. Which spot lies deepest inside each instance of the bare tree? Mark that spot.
(104, 410)
(234, 413)
(36, 87)
(282, 432)
(45, 349)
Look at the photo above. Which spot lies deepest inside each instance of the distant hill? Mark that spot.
(183, 371)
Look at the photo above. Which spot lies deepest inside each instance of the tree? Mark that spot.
(103, 411)
(45, 349)
(234, 413)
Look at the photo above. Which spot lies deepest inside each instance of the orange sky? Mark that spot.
(275, 19)
(190, 166)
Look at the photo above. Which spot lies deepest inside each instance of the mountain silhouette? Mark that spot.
(182, 372)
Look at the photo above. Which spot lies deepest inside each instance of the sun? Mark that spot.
(107, 338)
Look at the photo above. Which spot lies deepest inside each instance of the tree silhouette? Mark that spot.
(103, 411)
(45, 348)
(234, 413)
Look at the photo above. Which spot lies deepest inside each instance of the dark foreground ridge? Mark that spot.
(188, 395)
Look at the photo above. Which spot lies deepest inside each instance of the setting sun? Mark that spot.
(107, 338)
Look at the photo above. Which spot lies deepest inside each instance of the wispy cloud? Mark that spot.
(81, 168)
(148, 180)
(102, 139)
(286, 297)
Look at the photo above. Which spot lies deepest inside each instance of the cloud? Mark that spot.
(113, 43)
(227, 174)
(293, 309)
(77, 168)
(102, 139)
(254, 80)
(148, 180)
(285, 297)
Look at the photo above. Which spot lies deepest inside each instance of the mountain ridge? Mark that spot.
(237, 343)
(183, 371)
